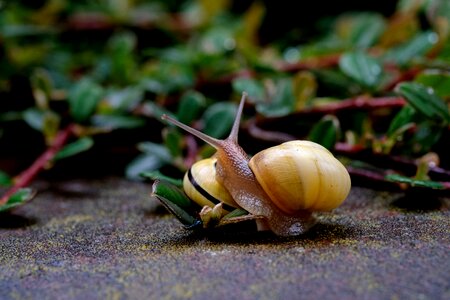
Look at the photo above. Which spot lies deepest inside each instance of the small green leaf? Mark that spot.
(218, 40)
(154, 157)
(218, 119)
(413, 182)
(45, 121)
(155, 110)
(83, 99)
(427, 134)
(34, 118)
(403, 117)
(25, 30)
(362, 68)
(121, 46)
(176, 202)
(20, 197)
(5, 179)
(190, 106)
(283, 101)
(112, 122)
(254, 88)
(238, 212)
(305, 88)
(416, 47)
(42, 87)
(154, 85)
(157, 175)
(424, 100)
(155, 149)
(325, 132)
(76, 147)
(172, 193)
(364, 29)
(143, 163)
(125, 99)
(438, 80)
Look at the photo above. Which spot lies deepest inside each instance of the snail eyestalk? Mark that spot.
(210, 140)
(235, 130)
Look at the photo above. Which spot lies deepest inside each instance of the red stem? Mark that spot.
(311, 63)
(402, 76)
(27, 176)
(361, 102)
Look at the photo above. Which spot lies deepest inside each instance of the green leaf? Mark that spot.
(155, 149)
(125, 99)
(5, 179)
(438, 80)
(218, 119)
(362, 68)
(45, 121)
(74, 148)
(416, 47)
(83, 99)
(404, 116)
(112, 122)
(282, 103)
(218, 40)
(414, 182)
(157, 175)
(121, 47)
(42, 87)
(20, 197)
(25, 30)
(155, 110)
(338, 85)
(365, 29)
(34, 118)
(154, 157)
(190, 106)
(238, 212)
(424, 100)
(172, 77)
(176, 202)
(325, 132)
(143, 163)
(254, 88)
(427, 134)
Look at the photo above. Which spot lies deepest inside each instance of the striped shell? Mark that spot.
(200, 185)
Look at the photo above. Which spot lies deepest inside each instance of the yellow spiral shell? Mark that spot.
(301, 175)
(200, 185)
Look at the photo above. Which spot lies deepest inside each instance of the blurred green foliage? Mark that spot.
(104, 66)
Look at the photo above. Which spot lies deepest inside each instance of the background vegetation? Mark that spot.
(83, 85)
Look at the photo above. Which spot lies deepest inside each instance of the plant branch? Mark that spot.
(360, 102)
(320, 62)
(27, 176)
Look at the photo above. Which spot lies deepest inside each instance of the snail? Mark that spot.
(283, 184)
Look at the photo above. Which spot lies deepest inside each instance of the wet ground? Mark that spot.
(106, 239)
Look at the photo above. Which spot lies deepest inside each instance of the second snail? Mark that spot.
(280, 187)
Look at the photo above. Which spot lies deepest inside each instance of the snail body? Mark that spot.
(283, 184)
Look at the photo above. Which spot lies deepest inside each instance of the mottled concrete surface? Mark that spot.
(106, 239)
